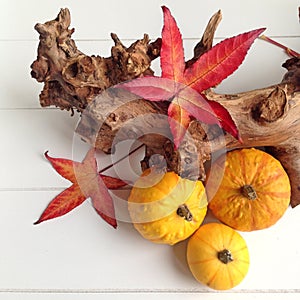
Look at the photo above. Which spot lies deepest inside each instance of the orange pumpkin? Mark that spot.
(166, 208)
(218, 256)
(254, 192)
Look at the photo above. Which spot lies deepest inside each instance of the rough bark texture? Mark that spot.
(267, 117)
(207, 38)
(71, 78)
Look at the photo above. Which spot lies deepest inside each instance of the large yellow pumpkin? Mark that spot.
(254, 192)
(218, 256)
(166, 208)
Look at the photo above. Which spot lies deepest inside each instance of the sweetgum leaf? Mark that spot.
(171, 53)
(65, 167)
(179, 85)
(196, 105)
(86, 183)
(151, 88)
(66, 201)
(220, 61)
(179, 120)
(207, 111)
(225, 119)
(113, 183)
(186, 102)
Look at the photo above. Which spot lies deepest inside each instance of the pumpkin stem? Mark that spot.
(225, 256)
(183, 211)
(249, 192)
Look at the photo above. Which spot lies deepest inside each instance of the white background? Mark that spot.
(79, 256)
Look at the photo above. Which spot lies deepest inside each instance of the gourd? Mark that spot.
(165, 208)
(254, 192)
(218, 256)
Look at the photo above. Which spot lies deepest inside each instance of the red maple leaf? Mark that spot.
(207, 71)
(87, 183)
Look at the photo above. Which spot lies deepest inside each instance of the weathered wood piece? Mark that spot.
(267, 117)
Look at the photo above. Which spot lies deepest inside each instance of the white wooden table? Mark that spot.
(79, 256)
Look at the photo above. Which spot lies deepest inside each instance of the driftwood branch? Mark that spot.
(267, 117)
(71, 78)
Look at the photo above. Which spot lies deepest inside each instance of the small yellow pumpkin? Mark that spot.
(254, 192)
(165, 208)
(218, 256)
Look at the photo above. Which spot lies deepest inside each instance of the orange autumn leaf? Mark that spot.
(66, 201)
(112, 183)
(179, 120)
(86, 183)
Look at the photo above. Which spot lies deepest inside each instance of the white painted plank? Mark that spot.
(26, 135)
(80, 252)
(78, 256)
(149, 296)
(95, 19)
(17, 88)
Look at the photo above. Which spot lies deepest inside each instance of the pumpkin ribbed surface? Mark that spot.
(218, 256)
(166, 208)
(254, 192)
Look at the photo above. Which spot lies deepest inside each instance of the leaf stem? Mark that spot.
(121, 159)
(288, 51)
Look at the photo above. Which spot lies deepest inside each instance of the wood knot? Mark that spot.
(271, 108)
(293, 74)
